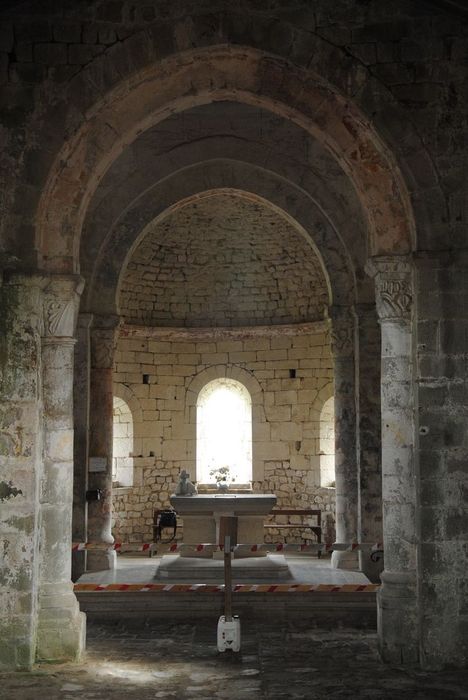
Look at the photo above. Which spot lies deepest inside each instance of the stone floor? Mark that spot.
(302, 569)
(180, 662)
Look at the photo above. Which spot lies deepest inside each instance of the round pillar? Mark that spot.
(346, 481)
(104, 335)
(61, 626)
(398, 625)
(368, 360)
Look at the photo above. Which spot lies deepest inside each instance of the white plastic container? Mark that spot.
(229, 633)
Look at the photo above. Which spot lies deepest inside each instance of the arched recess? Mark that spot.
(224, 433)
(327, 443)
(127, 414)
(180, 82)
(298, 176)
(290, 202)
(122, 445)
(254, 389)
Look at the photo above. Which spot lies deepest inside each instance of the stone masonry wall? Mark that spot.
(156, 378)
(240, 272)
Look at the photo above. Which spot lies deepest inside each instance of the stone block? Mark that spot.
(180, 348)
(110, 11)
(24, 51)
(256, 344)
(68, 33)
(6, 37)
(188, 359)
(286, 431)
(243, 356)
(281, 367)
(174, 449)
(278, 413)
(51, 54)
(285, 397)
(184, 370)
(280, 354)
(214, 358)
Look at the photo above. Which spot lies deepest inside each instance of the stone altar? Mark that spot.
(201, 514)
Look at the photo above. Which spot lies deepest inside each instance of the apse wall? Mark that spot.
(290, 377)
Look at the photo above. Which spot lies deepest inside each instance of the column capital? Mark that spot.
(104, 334)
(393, 287)
(61, 299)
(342, 323)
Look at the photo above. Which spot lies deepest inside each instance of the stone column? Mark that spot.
(104, 335)
(81, 389)
(61, 628)
(398, 624)
(346, 481)
(20, 466)
(369, 436)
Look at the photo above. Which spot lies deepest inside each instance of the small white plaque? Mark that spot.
(97, 464)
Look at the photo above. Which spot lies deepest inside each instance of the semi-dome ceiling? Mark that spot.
(223, 260)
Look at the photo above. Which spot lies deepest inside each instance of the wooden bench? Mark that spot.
(304, 513)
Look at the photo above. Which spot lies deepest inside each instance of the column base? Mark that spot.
(78, 564)
(345, 560)
(371, 569)
(61, 632)
(101, 559)
(397, 618)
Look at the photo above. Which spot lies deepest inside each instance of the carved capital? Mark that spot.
(342, 331)
(393, 287)
(61, 298)
(104, 341)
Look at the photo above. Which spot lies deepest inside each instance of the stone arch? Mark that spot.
(291, 202)
(222, 444)
(122, 449)
(126, 394)
(304, 182)
(229, 371)
(256, 394)
(182, 81)
(327, 443)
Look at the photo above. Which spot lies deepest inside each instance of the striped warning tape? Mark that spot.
(261, 547)
(118, 546)
(219, 588)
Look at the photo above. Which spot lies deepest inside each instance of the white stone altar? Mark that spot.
(201, 515)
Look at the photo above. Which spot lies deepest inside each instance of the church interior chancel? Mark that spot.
(233, 342)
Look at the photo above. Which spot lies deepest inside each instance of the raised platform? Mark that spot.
(322, 608)
(272, 567)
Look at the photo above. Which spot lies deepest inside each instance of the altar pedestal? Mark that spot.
(202, 514)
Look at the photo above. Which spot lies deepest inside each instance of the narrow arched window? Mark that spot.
(327, 443)
(224, 432)
(122, 448)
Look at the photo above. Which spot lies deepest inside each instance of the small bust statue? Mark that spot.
(185, 486)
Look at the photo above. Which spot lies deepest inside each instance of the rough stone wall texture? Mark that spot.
(223, 261)
(285, 420)
(442, 289)
(20, 450)
(403, 63)
(413, 50)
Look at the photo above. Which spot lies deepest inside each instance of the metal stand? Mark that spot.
(229, 635)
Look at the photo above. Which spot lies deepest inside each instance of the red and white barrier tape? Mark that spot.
(261, 547)
(215, 588)
(118, 546)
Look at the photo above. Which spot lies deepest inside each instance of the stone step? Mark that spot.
(356, 609)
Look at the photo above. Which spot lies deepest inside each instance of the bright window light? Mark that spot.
(224, 431)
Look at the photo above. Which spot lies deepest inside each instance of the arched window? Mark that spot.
(122, 449)
(327, 443)
(224, 431)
